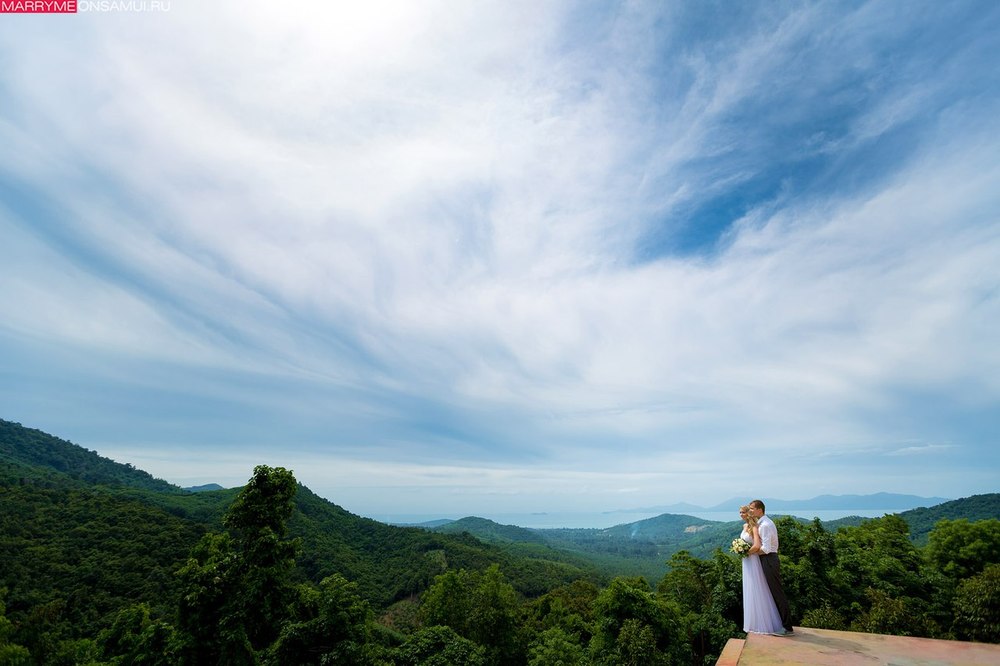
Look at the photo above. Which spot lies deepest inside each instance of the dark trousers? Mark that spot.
(772, 573)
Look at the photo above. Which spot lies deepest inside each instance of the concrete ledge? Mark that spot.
(823, 647)
(731, 653)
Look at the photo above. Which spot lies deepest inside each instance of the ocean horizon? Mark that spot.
(601, 520)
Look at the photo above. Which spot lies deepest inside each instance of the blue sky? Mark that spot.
(445, 257)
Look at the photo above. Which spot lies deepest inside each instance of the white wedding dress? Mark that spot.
(760, 615)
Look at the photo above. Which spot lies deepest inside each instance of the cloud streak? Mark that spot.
(638, 245)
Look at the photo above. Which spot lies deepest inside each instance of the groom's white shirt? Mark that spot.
(768, 535)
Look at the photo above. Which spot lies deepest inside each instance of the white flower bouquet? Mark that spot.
(740, 547)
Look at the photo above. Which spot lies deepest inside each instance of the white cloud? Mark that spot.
(439, 204)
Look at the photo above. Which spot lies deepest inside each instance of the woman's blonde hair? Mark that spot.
(751, 519)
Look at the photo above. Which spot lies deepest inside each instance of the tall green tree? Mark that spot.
(808, 559)
(258, 520)
(567, 607)
(632, 623)
(555, 647)
(236, 590)
(448, 601)
(210, 612)
(709, 595)
(495, 617)
(897, 616)
(481, 606)
(136, 639)
(878, 554)
(977, 606)
(439, 646)
(335, 631)
(879, 579)
(688, 581)
(960, 549)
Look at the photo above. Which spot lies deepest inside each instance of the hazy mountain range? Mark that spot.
(888, 501)
(41, 471)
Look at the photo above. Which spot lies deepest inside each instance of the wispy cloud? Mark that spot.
(921, 449)
(581, 240)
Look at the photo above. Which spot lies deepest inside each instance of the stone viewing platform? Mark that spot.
(822, 647)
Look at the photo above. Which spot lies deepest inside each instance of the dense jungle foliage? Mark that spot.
(102, 564)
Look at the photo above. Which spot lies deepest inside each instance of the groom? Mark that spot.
(769, 561)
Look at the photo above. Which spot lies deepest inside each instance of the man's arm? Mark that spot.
(768, 537)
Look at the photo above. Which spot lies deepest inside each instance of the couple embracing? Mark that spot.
(765, 608)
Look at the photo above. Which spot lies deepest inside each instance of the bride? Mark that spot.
(760, 615)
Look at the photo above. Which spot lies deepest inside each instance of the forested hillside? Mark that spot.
(640, 548)
(84, 536)
(977, 507)
(104, 565)
(30, 453)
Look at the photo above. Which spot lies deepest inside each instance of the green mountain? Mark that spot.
(101, 560)
(532, 545)
(643, 547)
(204, 488)
(654, 538)
(74, 553)
(976, 507)
(26, 453)
(81, 536)
(634, 549)
(487, 530)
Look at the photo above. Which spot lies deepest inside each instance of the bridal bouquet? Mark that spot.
(740, 547)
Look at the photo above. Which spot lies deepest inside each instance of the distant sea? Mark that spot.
(612, 518)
